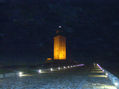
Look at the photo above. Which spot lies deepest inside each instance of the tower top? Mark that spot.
(60, 26)
(59, 31)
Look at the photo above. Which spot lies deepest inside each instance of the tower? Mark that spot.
(59, 46)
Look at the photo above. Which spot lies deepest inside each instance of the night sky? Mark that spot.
(27, 28)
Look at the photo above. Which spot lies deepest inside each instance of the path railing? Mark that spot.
(113, 78)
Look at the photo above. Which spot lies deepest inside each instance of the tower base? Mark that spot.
(57, 63)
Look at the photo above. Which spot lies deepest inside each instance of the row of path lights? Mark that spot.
(20, 74)
(64, 67)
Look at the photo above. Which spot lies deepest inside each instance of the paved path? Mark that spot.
(74, 78)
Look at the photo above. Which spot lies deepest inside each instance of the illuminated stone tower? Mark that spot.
(59, 46)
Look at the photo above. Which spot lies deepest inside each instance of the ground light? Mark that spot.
(51, 69)
(64, 67)
(40, 71)
(20, 74)
(116, 84)
(59, 68)
(106, 74)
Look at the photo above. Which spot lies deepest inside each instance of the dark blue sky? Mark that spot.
(28, 26)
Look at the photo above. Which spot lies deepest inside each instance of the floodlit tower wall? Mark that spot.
(59, 47)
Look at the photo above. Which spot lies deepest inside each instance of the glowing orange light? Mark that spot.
(49, 59)
(59, 48)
